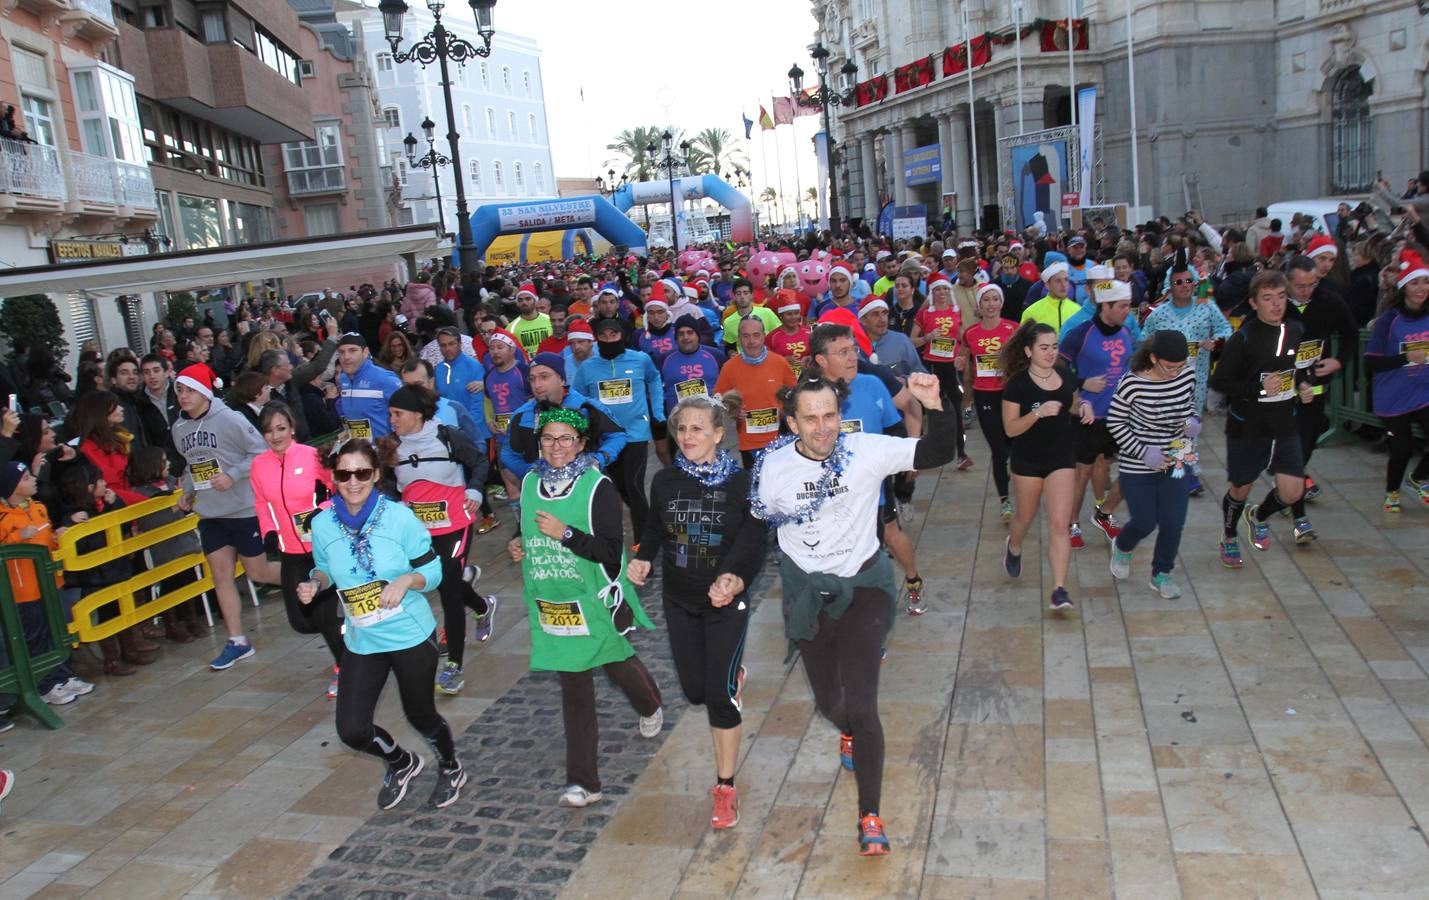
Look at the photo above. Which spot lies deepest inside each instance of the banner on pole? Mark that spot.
(1086, 146)
(562, 214)
(923, 165)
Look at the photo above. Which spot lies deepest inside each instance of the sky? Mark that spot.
(637, 65)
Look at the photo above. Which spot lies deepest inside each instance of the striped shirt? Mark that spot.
(1147, 413)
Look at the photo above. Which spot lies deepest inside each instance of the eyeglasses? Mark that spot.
(559, 440)
(1183, 281)
(342, 476)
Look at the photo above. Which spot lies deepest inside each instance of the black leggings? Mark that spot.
(578, 713)
(628, 472)
(360, 685)
(457, 596)
(708, 646)
(1401, 447)
(318, 617)
(842, 663)
(989, 419)
(947, 374)
(1313, 422)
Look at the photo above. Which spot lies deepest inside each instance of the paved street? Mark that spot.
(1265, 735)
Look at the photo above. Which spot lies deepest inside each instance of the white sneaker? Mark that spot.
(577, 797)
(57, 696)
(650, 725)
(78, 686)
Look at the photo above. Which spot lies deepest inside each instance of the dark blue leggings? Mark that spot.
(1157, 503)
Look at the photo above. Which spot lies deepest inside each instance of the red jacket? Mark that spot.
(112, 467)
(287, 487)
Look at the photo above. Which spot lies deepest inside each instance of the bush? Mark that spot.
(32, 321)
(181, 305)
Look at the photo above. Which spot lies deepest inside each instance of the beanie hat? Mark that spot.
(1170, 345)
(407, 398)
(199, 377)
(553, 361)
(579, 329)
(10, 477)
(688, 321)
(1411, 266)
(1322, 244)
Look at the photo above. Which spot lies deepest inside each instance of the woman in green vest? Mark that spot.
(581, 605)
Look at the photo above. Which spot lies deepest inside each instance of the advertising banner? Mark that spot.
(552, 214)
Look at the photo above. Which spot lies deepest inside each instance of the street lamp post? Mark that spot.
(440, 46)
(607, 186)
(430, 160)
(824, 99)
(669, 163)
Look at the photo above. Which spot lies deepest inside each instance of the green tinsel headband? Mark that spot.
(564, 416)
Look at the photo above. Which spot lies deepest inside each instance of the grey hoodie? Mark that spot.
(221, 437)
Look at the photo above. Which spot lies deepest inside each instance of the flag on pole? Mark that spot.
(765, 123)
(748, 125)
(810, 106)
(783, 111)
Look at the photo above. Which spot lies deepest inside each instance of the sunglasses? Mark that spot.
(1183, 281)
(342, 476)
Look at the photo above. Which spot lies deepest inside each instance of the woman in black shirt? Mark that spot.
(711, 550)
(1040, 410)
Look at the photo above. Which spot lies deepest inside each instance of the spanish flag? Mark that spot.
(765, 122)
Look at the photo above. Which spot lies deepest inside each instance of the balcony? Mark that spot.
(104, 186)
(307, 182)
(92, 20)
(31, 178)
(40, 8)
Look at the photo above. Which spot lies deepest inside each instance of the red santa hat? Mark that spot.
(1322, 244)
(502, 336)
(527, 288)
(786, 300)
(579, 329)
(871, 304)
(842, 315)
(198, 377)
(938, 280)
(1411, 266)
(844, 267)
(988, 288)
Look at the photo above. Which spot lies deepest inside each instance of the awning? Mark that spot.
(191, 269)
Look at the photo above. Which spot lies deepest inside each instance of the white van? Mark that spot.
(1323, 212)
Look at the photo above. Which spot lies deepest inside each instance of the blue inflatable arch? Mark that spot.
(570, 213)
(694, 187)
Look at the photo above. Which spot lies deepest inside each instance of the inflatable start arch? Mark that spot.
(694, 187)
(569, 213)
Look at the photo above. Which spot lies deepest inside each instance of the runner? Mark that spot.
(711, 550)
(657, 338)
(936, 329)
(508, 391)
(363, 389)
(1154, 419)
(837, 584)
(440, 475)
(755, 375)
(742, 308)
(1258, 374)
(791, 339)
(547, 380)
(1397, 352)
(982, 345)
(1056, 307)
(460, 378)
(531, 326)
(692, 370)
(580, 604)
(1040, 412)
(892, 349)
(380, 559)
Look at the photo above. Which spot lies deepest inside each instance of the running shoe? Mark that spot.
(394, 783)
(1230, 554)
(1120, 563)
(332, 685)
(1304, 531)
(57, 696)
(1061, 600)
(471, 575)
(650, 725)
(6, 723)
(486, 621)
(1011, 562)
(1008, 511)
(965, 462)
(740, 679)
(448, 787)
(232, 653)
(1195, 488)
(497, 492)
(7, 782)
(449, 679)
(577, 797)
(78, 686)
(1077, 541)
(441, 640)
(1259, 531)
(846, 751)
(724, 808)
(905, 511)
(1312, 490)
(1391, 501)
(871, 839)
(488, 523)
(967, 419)
(1162, 583)
(1421, 486)
(1107, 523)
(915, 606)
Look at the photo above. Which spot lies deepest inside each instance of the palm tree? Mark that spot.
(769, 197)
(717, 146)
(640, 165)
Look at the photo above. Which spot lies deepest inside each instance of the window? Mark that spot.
(476, 176)
(498, 180)
(401, 171)
(1351, 133)
(320, 220)
(531, 127)
(199, 219)
(384, 62)
(506, 78)
(405, 216)
(485, 77)
(392, 117)
(526, 82)
(490, 122)
(39, 119)
(274, 55)
(461, 74)
(518, 177)
(307, 69)
(215, 28)
(466, 118)
(108, 114)
(316, 166)
(511, 125)
(155, 17)
(538, 175)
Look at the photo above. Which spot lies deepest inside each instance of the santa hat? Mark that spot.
(667, 289)
(652, 303)
(788, 270)
(1322, 244)
(527, 288)
(881, 255)
(842, 315)
(1411, 266)
(1055, 269)
(787, 300)
(872, 304)
(939, 280)
(502, 336)
(198, 377)
(579, 329)
(988, 288)
(843, 267)
(1015, 245)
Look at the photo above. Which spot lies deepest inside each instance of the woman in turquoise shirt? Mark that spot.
(380, 559)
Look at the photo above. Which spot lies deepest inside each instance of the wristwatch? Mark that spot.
(567, 535)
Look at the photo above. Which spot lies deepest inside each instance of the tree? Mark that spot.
(32, 321)
(640, 165)
(812, 196)
(179, 306)
(719, 153)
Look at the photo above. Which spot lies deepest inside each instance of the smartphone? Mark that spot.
(15, 404)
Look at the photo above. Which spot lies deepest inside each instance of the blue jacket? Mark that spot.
(452, 379)
(454, 415)
(520, 449)
(400, 544)
(625, 386)
(364, 396)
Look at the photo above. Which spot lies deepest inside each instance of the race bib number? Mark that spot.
(989, 365)
(794, 364)
(1193, 350)
(432, 514)
(694, 387)
(203, 472)
(502, 422)
(1409, 346)
(303, 525)
(363, 604)
(1284, 390)
(1307, 354)
(762, 421)
(561, 619)
(616, 391)
(851, 426)
(942, 347)
(358, 429)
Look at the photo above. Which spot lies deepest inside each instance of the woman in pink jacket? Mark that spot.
(290, 484)
(418, 296)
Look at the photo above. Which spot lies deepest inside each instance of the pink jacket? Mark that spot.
(416, 299)
(287, 488)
